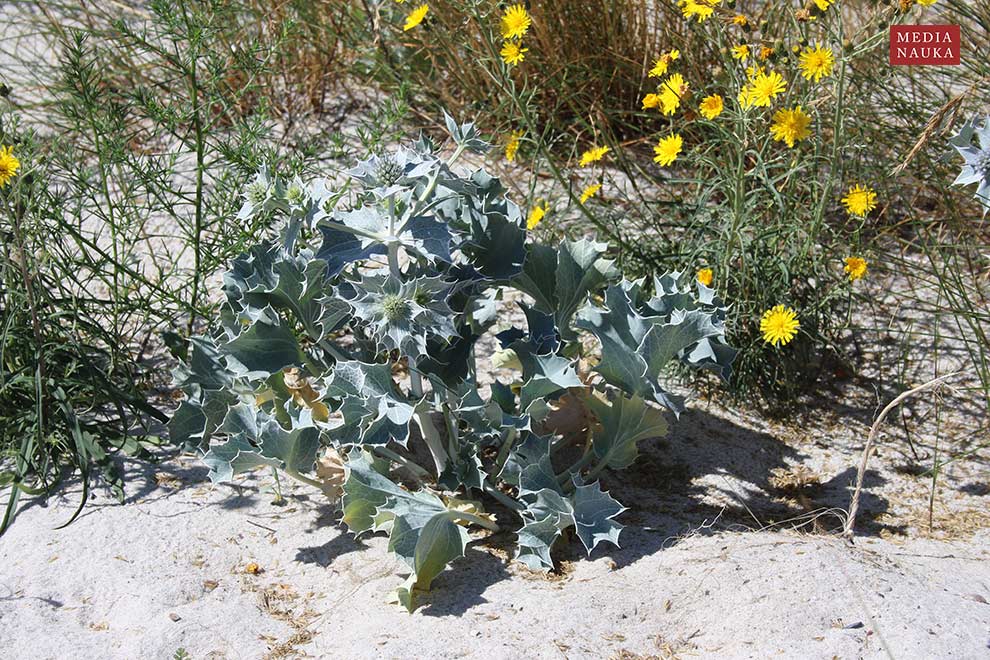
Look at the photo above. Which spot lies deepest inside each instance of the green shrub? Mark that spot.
(71, 399)
(765, 216)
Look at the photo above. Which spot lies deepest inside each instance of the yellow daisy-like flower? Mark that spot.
(765, 52)
(740, 52)
(8, 165)
(663, 62)
(743, 99)
(667, 149)
(779, 325)
(593, 155)
(860, 200)
(740, 20)
(824, 4)
(536, 216)
(512, 146)
(816, 62)
(926, 3)
(513, 53)
(753, 70)
(673, 90)
(790, 126)
(711, 106)
(651, 101)
(700, 9)
(856, 268)
(415, 17)
(764, 87)
(590, 192)
(515, 22)
(705, 276)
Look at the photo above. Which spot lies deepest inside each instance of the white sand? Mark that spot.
(167, 571)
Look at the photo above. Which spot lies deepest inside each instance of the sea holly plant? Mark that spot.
(349, 355)
(976, 154)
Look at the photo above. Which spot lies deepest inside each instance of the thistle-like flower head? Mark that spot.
(976, 168)
(403, 314)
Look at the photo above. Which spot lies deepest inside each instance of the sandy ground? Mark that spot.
(723, 557)
(730, 551)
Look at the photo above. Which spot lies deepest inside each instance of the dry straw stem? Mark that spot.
(952, 106)
(854, 504)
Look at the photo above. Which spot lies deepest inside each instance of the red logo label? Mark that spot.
(924, 44)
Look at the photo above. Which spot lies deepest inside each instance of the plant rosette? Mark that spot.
(345, 355)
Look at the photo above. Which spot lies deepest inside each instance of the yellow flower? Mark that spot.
(672, 92)
(512, 146)
(926, 3)
(753, 70)
(415, 17)
(816, 62)
(705, 276)
(700, 9)
(515, 22)
(660, 66)
(8, 165)
(711, 106)
(651, 101)
(779, 325)
(825, 4)
(512, 53)
(764, 87)
(860, 200)
(743, 98)
(593, 155)
(590, 192)
(740, 52)
(765, 52)
(536, 216)
(856, 267)
(789, 126)
(667, 149)
(740, 20)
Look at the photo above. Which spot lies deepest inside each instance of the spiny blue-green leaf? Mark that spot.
(341, 248)
(535, 539)
(560, 280)
(206, 367)
(580, 270)
(466, 135)
(496, 246)
(374, 411)
(421, 527)
(635, 348)
(531, 449)
(430, 238)
(624, 422)
(366, 487)
(293, 450)
(440, 542)
(233, 456)
(594, 510)
(263, 349)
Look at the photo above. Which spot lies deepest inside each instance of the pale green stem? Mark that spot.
(304, 479)
(419, 473)
(474, 520)
(509, 436)
(503, 498)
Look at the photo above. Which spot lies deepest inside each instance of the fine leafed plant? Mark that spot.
(347, 355)
(71, 400)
